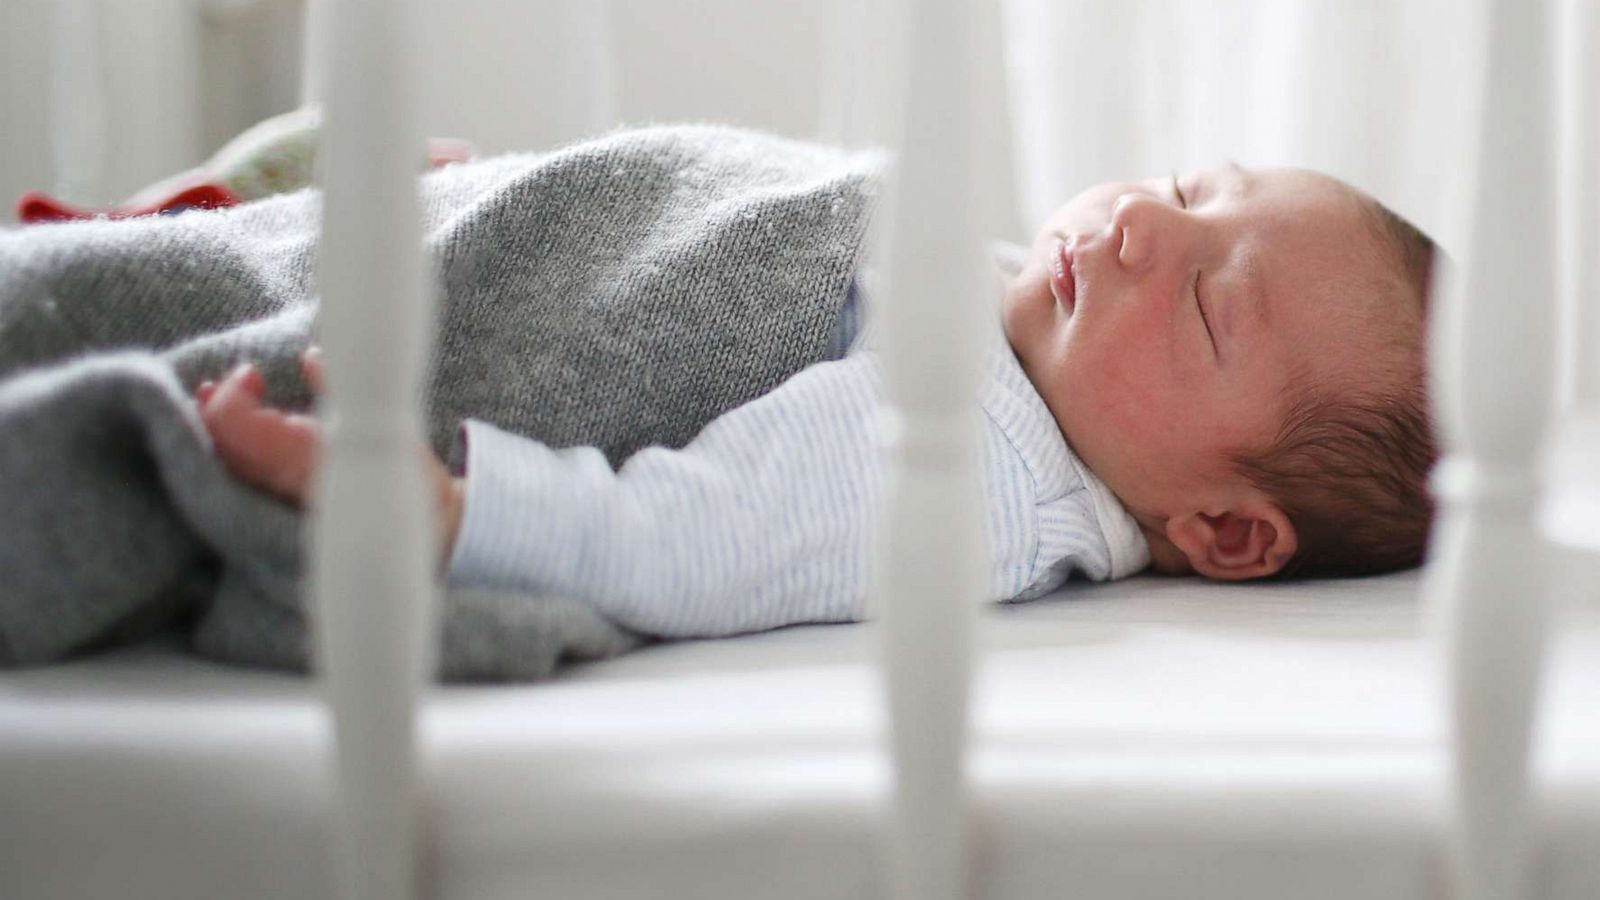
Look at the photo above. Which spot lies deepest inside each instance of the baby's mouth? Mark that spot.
(1063, 284)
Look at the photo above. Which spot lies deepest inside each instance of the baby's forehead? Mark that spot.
(1311, 225)
(1305, 197)
(1319, 253)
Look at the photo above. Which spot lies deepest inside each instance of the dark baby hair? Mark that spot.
(1351, 472)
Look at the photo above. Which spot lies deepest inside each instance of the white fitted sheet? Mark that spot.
(1148, 738)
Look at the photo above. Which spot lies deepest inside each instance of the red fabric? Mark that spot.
(36, 206)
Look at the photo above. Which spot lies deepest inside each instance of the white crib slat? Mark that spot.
(591, 73)
(374, 553)
(78, 111)
(930, 552)
(1492, 350)
(1582, 115)
(313, 51)
(840, 118)
(864, 67)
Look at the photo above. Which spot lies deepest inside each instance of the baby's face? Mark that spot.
(1162, 322)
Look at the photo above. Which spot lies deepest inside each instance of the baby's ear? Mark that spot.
(1253, 541)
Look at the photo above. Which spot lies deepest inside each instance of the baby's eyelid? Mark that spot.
(1205, 317)
(1183, 202)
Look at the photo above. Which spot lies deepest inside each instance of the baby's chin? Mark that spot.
(1026, 307)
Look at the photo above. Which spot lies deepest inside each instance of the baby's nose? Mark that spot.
(1135, 248)
(1135, 230)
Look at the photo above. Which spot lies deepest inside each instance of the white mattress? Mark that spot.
(1154, 738)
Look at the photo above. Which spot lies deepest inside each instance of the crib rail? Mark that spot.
(1492, 344)
(374, 555)
(1580, 27)
(930, 550)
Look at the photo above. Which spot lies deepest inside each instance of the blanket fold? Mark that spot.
(620, 293)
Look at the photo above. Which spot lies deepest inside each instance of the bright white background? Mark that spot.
(176, 78)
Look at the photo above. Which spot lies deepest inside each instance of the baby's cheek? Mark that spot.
(1129, 402)
(1133, 373)
(1025, 307)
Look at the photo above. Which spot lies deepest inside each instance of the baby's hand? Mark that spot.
(277, 452)
(268, 449)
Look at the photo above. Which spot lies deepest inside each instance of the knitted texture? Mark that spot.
(620, 293)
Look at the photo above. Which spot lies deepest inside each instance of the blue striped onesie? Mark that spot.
(767, 517)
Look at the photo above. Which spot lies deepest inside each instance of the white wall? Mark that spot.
(510, 75)
(97, 96)
(175, 78)
(1380, 93)
(24, 149)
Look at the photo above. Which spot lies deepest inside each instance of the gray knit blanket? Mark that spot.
(619, 293)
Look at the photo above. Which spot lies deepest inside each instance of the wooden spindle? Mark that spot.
(591, 99)
(1582, 178)
(79, 116)
(374, 544)
(930, 552)
(863, 77)
(1491, 345)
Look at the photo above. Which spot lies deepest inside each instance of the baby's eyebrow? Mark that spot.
(1242, 176)
(1259, 306)
(1235, 180)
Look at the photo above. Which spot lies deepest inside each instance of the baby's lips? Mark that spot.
(1063, 283)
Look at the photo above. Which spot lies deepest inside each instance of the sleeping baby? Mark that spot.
(1217, 374)
(653, 404)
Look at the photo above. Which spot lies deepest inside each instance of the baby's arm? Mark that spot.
(765, 519)
(276, 451)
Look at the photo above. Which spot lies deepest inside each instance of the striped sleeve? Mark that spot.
(766, 518)
(763, 520)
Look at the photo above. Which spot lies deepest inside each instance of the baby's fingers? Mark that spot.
(267, 449)
(311, 368)
(282, 455)
(241, 389)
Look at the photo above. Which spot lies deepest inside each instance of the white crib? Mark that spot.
(1149, 738)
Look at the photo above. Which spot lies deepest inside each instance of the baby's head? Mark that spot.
(1238, 355)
